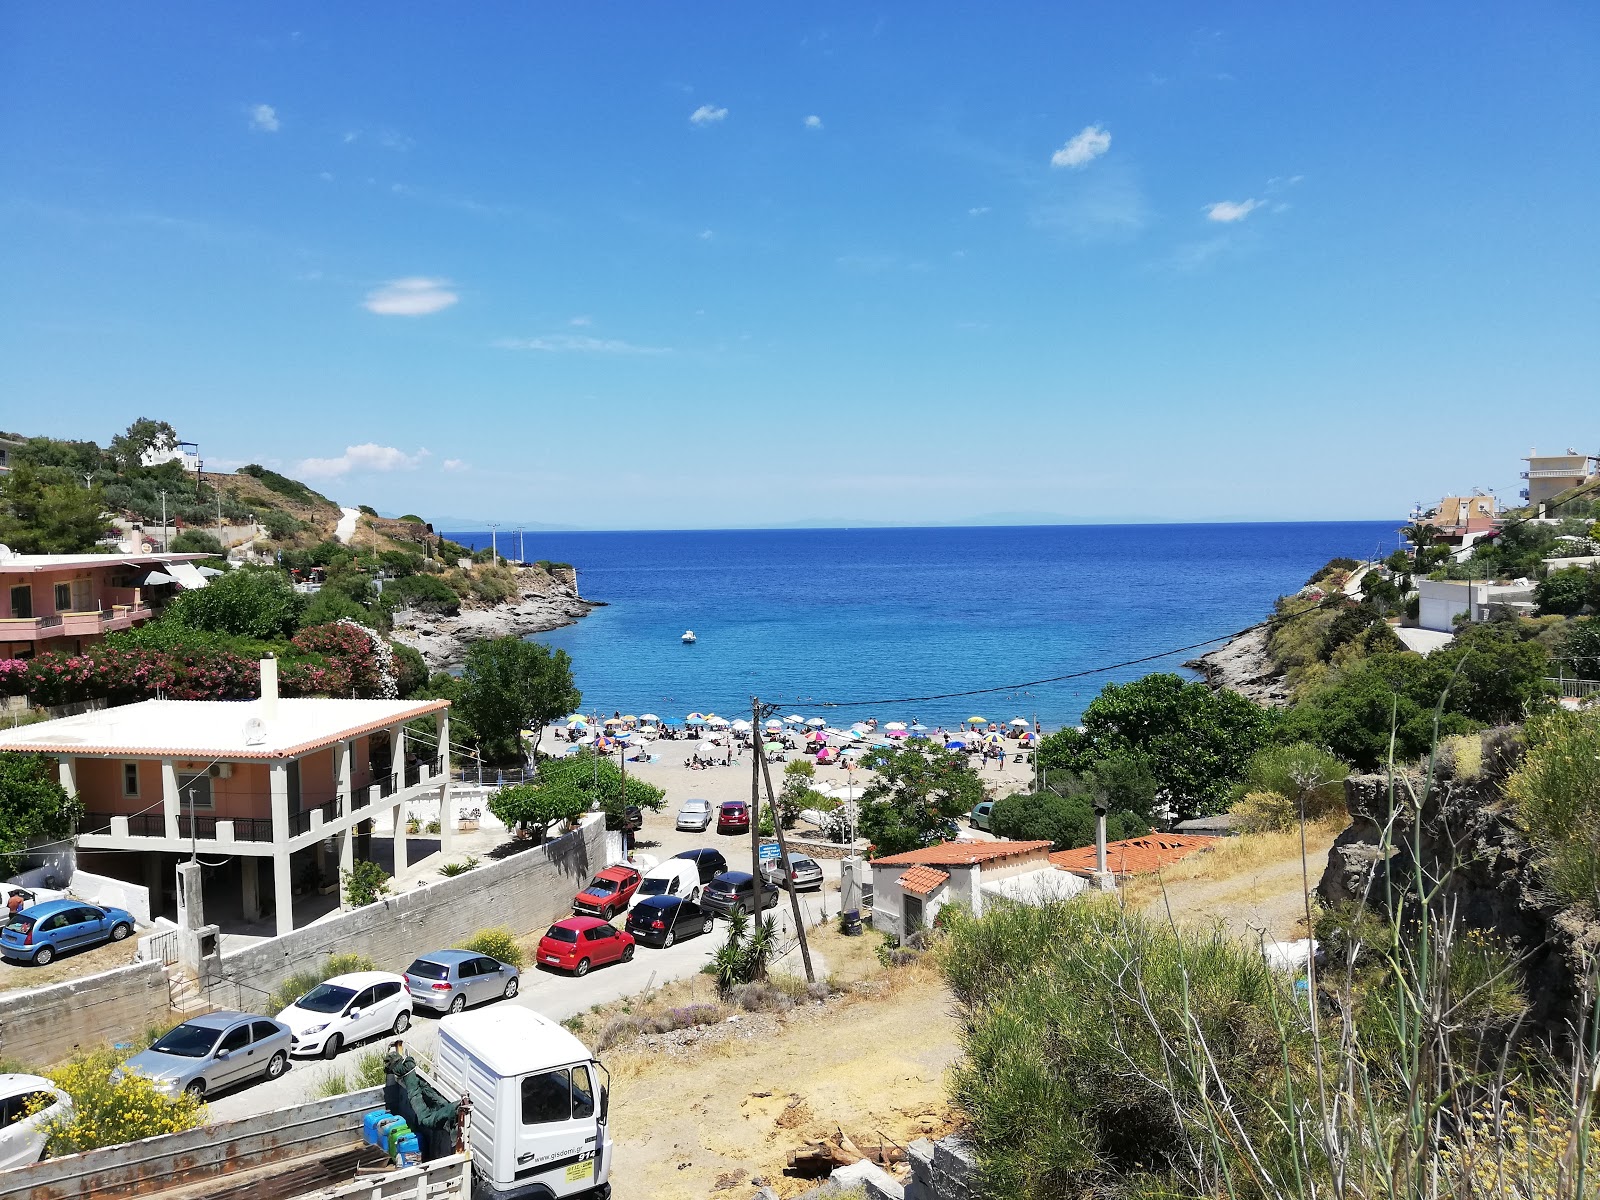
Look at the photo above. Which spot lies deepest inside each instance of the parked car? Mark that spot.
(663, 920)
(632, 818)
(733, 816)
(804, 873)
(347, 1009)
(29, 1105)
(979, 817)
(695, 815)
(608, 893)
(579, 943)
(209, 1053)
(449, 980)
(736, 889)
(40, 933)
(672, 877)
(708, 862)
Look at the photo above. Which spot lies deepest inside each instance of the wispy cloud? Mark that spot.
(581, 322)
(391, 139)
(705, 235)
(454, 464)
(1104, 206)
(263, 118)
(1228, 211)
(571, 343)
(707, 115)
(979, 211)
(413, 297)
(812, 122)
(1089, 144)
(369, 456)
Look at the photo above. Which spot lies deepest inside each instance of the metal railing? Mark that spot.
(300, 822)
(1576, 689)
(148, 825)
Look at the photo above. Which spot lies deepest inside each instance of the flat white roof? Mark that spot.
(212, 729)
(513, 1041)
(30, 563)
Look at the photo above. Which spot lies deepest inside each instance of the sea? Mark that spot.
(930, 625)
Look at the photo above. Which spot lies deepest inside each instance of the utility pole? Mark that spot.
(219, 515)
(755, 806)
(783, 849)
(522, 550)
(494, 553)
(163, 522)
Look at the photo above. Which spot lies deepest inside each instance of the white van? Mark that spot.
(671, 877)
(539, 1103)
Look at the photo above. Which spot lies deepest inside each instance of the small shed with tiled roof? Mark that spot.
(909, 889)
(1134, 856)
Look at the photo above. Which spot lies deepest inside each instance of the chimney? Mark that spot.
(269, 687)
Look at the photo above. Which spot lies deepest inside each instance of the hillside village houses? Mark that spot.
(272, 794)
(1549, 475)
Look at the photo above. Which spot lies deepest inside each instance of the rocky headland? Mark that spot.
(544, 600)
(1244, 666)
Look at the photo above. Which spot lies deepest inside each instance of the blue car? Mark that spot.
(40, 933)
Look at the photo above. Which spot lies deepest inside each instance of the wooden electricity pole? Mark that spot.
(783, 848)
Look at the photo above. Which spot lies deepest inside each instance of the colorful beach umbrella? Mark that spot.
(977, 720)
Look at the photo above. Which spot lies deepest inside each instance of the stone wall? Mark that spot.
(524, 892)
(44, 1025)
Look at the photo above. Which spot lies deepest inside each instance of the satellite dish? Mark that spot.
(255, 732)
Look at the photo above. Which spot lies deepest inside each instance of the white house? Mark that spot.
(1441, 601)
(909, 889)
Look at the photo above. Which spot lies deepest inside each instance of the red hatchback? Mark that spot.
(579, 943)
(733, 817)
(608, 893)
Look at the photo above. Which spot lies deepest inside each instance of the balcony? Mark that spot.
(1576, 474)
(73, 624)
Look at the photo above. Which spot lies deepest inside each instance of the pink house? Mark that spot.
(67, 601)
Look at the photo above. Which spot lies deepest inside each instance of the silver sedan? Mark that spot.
(804, 873)
(695, 815)
(207, 1054)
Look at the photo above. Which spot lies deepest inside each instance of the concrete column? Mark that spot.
(171, 802)
(191, 899)
(347, 858)
(67, 772)
(447, 816)
(343, 756)
(282, 885)
(250, 891)
(399, 839)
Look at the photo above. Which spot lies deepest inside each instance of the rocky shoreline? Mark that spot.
(545, 600)
(1243, 666)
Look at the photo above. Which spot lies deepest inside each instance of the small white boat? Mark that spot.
(688, 638)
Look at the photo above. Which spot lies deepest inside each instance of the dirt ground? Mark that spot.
(701, 1111)
(74, 965)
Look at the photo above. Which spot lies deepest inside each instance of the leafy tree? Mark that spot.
(250, 602)
(565, 787)
(1064, 821)
(196, 541)
(33, 807)
(365, 883)
(1196, 742)
(328, 606)
(796, 793)
(1304, 780)
(1127, 783)
(916, 798)
(128, 448)
(1564, 591)
(510, 685)
(47, 511)
(410, 670)
(428, 593)
(1578, 648)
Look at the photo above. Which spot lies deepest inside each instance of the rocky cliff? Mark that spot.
(544, 600)
(1466, 839)
(1244, 666)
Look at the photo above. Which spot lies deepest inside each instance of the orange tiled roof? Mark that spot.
(962, 854)
(921, 880)
(1135, 856)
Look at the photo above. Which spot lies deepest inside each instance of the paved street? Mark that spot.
(560, 995)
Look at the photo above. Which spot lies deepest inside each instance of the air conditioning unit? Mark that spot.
(221, 771)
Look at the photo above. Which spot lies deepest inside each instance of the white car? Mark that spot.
(29, 1105)
(695, 815)
(347, 1009)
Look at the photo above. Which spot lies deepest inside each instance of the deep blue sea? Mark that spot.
(850, 617)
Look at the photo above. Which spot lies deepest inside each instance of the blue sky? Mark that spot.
(652, 266)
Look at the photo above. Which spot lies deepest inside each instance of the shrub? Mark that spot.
(110, 1114)
(744, 957)
(1564, 591)
(427, 593)
(1263, 812)
(1300, 775)
(1557, 793)
(196, 541)
(498, 943)
(365, 883)
(451, 869)
(301, 982)
(366, 1073)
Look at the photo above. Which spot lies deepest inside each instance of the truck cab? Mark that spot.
(538, 1128)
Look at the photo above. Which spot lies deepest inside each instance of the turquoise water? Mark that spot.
(857, 617)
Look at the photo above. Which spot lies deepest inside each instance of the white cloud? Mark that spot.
(454, 464)
(325, 176)
(580, 322)
(1228, 211)
(413, 297)
(706, 115)
(1083, 149)
(979, 211)
(369, 456)
(389, 139)
(706, 235)
(812, 122)
(263, 118)
(571, 343)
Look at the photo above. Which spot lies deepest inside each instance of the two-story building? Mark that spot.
(288, 785)
(66, 601)
(1549, 475)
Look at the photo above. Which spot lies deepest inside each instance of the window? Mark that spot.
(365, 1000)
(260, 1031)
(548, 1096)
(236, 1038)
(383, 991)
(59, 921)
(83, 916)
(22, 601)
(63, 597)
(582, 1093)
(130, 779)
(600, 933)
(194, 791)
(15, 1108)
(487, 966)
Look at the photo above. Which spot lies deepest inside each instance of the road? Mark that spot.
(559, 995)
(346, 527)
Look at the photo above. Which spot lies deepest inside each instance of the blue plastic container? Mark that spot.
(394, 1133)
(377, 1127)
(407, 1151)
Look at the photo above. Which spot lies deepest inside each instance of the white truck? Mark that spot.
(533, 1126)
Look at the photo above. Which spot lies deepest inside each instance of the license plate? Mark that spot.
(555, 958)
(580, 1171)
